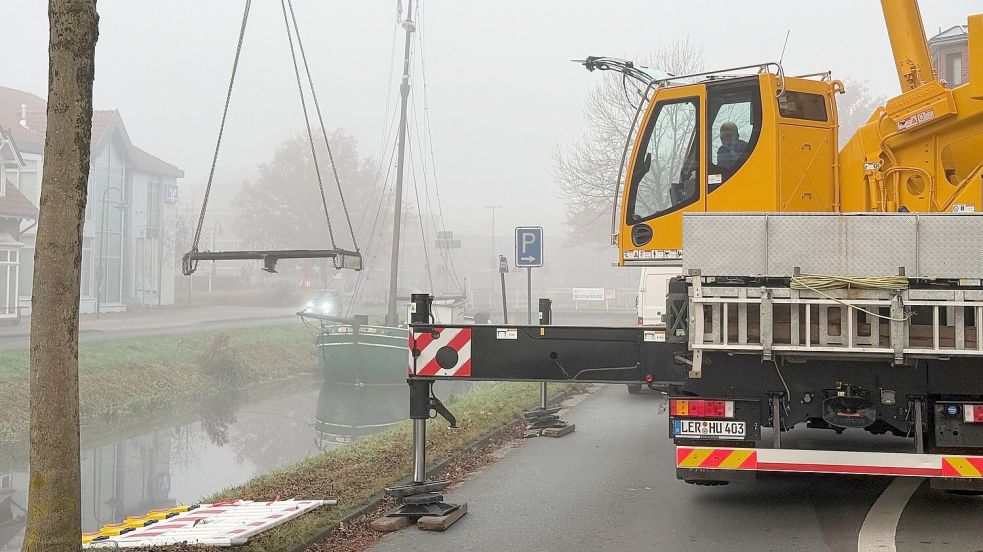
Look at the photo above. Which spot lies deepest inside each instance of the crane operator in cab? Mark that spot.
(732, 148)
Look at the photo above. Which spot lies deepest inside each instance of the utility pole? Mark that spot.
(494, 255)
(392, 318)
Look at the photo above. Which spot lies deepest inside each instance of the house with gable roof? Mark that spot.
(15, 211)
(128, 254)
(950, 54)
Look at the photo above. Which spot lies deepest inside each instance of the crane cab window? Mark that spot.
(734, 112)
(665, 174)
(802, 105)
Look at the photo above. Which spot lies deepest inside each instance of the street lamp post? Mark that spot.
(494, 254)
(101, 272)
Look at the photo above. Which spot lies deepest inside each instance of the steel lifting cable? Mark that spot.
(448, 257)
(189, 267)
(419, 208)
(817, 283)
(307, 123)
(324, 132)
(375, 223)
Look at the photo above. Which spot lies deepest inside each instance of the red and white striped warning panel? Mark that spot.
(830, 461)
(228, 523)
(441, 352)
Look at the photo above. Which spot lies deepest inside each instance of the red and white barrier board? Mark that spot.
(444, 352)
(830, 461)
(220, 524)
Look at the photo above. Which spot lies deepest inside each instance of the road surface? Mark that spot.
(611, 486)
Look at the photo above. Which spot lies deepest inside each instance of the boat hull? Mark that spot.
(371, 355)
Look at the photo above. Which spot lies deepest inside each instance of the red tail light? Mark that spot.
(640, 321)
(973, 413)
(699, 408)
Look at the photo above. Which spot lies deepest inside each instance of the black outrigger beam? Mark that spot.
(344, 258)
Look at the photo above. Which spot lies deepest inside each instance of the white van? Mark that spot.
(652, 292)
(651, 301)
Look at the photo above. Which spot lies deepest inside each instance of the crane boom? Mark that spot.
(907, 34)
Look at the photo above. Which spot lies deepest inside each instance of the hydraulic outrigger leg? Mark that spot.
(420, 498)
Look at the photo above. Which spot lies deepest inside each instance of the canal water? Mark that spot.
(203, 448)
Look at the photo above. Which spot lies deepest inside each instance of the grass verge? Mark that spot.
(129, 377)
(356, 473)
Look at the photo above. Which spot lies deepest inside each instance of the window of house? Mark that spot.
(3, 179)
(27, 180)
(802, 105)
(8, 283)
(955, 69)
(150, 248)
(87, 268)
(26, 269)
(734, 112)
(155, 205)
(107, 208)
(665, 176)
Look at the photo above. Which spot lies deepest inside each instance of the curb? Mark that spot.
(377, 499)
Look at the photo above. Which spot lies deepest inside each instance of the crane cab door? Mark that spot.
(807, 146)
(665, 177)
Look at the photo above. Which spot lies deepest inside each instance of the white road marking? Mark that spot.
(880, 527)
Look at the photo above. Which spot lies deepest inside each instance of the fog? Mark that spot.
(502, 92)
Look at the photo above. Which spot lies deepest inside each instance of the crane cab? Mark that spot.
(758, 143)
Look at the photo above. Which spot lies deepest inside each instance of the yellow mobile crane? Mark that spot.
(922, 152)
(825, 290)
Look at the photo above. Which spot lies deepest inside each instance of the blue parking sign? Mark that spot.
(529, 246)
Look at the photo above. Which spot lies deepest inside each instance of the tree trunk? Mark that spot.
(54, 521)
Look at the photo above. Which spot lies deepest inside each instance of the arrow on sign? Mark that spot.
(528, 258)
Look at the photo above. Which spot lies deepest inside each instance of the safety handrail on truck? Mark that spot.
(879, 323)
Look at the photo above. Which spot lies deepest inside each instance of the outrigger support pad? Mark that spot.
(343, 258)
(419, 500)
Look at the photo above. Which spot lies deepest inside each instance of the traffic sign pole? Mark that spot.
(529, 296)
(503, 267)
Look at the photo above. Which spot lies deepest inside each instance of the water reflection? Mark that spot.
(203, 448)
(347, 411)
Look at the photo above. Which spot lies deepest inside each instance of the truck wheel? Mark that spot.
(634, 388)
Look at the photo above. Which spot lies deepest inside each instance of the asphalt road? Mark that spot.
(611, 486)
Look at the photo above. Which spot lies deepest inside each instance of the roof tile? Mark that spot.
(14, 204)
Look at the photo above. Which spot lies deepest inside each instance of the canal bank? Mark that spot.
(123, 381)
(198, 448)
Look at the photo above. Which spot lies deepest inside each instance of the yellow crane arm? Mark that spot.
(907, 34)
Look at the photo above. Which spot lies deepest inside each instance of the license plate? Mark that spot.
(709, 429)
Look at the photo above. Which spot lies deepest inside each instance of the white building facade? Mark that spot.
(128, 254)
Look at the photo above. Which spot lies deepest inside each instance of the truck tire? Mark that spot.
(963, 492)
(706, 482)
(634, 388)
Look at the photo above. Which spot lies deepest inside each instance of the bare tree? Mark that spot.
(855, 106)
(54, 520)
(281, 207)
(587, 171)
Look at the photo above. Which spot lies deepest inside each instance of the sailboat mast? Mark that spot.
(404, 93)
